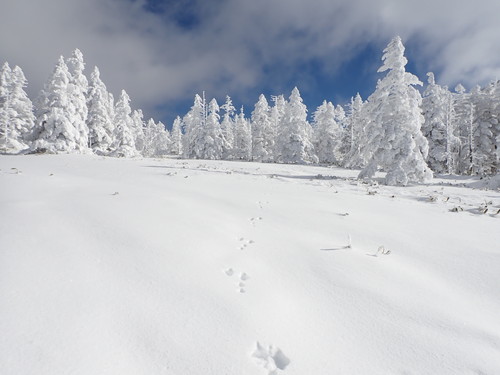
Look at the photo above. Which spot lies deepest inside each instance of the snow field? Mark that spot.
(195, 267)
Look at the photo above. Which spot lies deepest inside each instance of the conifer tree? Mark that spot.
(77, 91)
(394, 137)
(351, 142)
(294, 133)
(124, 141)
(56, 115)
(16, 111)
(194, 127)
(262, 131)
(440, 128)
(327, 134)
(137, 128)
(227, 128)
(213, 144)
(242, 138)
(100, 115)
(176, 137)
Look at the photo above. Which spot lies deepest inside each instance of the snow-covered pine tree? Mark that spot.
(137, 129)
(439, 128)
(16, 111)
(326, 134)
(242, 149)
(176, 137)
(156, 139)
(394, 137)
(354, 125)
(123, 138)
(276, 114)
(213, 145)
(262, 131)
(100, 115)
(194, 127)
(56, 115)
(163, 141)
(484, 138)
(149, 139)
(7, 141)
(227, 127)
(464, 114)
(293, 141)
(77, 91)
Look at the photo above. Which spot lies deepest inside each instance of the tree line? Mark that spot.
(396, 129)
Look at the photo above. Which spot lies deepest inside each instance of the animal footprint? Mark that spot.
(244, 243)
(254, 220)
(272, 359)
(241, 279)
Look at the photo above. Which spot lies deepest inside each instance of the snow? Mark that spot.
(137, 266)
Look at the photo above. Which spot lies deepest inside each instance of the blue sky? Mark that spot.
(163, 51)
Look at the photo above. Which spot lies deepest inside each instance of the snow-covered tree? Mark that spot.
(354, 126)
(123, 138)
(394, 137)
(137, 128)
(5, 109)
(293, 141)
(100, 115)
(464, 120)
(486, 120)
(156, 139)
(227, 127)
(439, 128)
(242, 149)
(16, 111)
(59, 125)
(194, 127)
(327, 134)
(263, 133)
(176, 137)
(77, 91)
(213, 143)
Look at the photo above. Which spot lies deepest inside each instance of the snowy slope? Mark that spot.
(115, 266)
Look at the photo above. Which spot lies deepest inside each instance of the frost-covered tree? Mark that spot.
(137, 128)
(350, 148)
(176, 137)
(227, 127)
(5, 109)
(464, 120)
(439, 128)
(194, 127)
(59, 126)
(16, 111)
(394, 137)
(123, 138)
(77, 91)
(276, 114)
(213, 143)
(242, 149)
(100, 115)
(327, 134)
(293, 141)
(263, 134)
(487, 121)
(156, 139)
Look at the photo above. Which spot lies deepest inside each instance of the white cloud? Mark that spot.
(155, 60)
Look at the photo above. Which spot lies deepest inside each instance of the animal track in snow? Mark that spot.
(254, 220)
(241, 279)
(244, 243)
(272, 358)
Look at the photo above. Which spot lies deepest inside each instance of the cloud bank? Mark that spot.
(237, 47)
